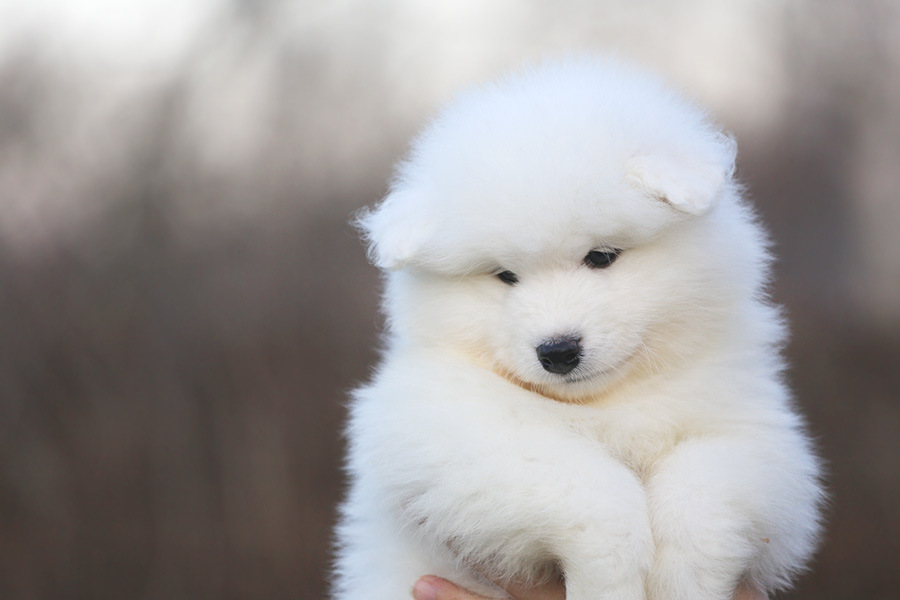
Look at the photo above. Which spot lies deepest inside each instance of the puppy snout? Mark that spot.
(560, 355)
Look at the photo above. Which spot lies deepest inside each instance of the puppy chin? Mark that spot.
(581, 386)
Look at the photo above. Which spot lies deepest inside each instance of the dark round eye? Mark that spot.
(508, 277)
(600, 259)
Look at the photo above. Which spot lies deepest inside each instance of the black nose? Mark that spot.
(560, 356)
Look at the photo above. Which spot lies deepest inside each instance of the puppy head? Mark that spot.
(557, 224)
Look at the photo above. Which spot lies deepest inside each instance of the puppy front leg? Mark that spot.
(605, 549)
(497, 476)
(609, 559)
(580, 509)
(726, 510)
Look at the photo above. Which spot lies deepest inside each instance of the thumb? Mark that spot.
(435, 588)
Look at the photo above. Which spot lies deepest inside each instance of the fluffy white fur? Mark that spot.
(669, 464)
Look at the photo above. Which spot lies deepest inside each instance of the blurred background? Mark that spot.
(183, 305)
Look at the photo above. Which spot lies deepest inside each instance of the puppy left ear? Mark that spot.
(688, 183)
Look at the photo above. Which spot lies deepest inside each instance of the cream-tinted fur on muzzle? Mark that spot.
(652, 451)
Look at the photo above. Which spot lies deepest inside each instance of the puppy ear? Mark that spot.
(689, 184)
(394, 231)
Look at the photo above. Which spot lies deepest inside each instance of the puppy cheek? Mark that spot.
(477, 322)
(505, 339)
(525, 323)
(504, 345)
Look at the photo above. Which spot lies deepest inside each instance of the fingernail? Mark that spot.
(424, 590)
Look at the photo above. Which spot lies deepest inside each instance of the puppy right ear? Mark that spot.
(393, 230)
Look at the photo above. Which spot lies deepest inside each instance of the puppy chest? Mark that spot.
(637, 438)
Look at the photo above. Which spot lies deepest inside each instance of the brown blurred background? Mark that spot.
(183, 306)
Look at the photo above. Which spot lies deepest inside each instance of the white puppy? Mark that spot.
(582, 371)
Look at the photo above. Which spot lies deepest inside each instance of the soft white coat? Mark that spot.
(669, 464)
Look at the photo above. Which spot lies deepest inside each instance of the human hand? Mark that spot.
(435, 588)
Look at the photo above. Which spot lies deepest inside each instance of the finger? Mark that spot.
(747, 592)
(435, 588)
(554, 590)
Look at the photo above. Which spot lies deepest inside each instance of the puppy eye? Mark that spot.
(600, 259)
(508, 277)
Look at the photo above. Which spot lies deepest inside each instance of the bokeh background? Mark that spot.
(183, 305)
